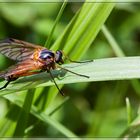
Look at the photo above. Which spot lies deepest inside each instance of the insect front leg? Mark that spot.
(7, 83)
(8, 79)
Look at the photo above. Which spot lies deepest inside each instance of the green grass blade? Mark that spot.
(24, 114)
(43, 117)
(99, 70)
(133, 129)
(51, 112)
(8, 123)
(117, 49)
(129, 111)
(83, 29)
(48, 42)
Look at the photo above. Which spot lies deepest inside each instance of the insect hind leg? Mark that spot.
(6, 84)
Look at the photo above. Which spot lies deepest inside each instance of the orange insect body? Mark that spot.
(31, 59)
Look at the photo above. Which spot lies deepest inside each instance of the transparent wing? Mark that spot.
(16, 49)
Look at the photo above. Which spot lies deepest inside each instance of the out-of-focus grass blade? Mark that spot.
(133, 130)
(129, 111)
(8, 123)
(116, 48)
(48, 42)
(43, 117)
(24, 114)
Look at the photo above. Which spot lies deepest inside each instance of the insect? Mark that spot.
(31, 59)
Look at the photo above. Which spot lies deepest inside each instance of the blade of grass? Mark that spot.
(133, 129)
(43, 117)
(24, 114)
(115, 46)
(51, 112)
(128, 107)
(99, 14)
(84, 28)
(99, 70)
(8, 123)
(48, 41)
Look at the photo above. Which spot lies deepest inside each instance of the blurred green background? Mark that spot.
(96, 109)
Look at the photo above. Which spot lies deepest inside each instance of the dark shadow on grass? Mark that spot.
(29, 82)
(42, 77)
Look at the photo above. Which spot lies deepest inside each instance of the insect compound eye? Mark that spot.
(58, 57)
(46, 54)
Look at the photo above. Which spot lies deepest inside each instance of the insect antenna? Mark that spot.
(56, 84)
(73, 72)
(5, 85)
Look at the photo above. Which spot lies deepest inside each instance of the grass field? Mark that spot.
(104, 105)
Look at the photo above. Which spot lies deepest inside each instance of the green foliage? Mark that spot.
(94, 107)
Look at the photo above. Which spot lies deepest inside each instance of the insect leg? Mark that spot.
(5, 85)
(74, 72)
(56, 83)
(85, 61)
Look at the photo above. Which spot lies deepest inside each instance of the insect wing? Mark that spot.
(24, 68)
(17, 50)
